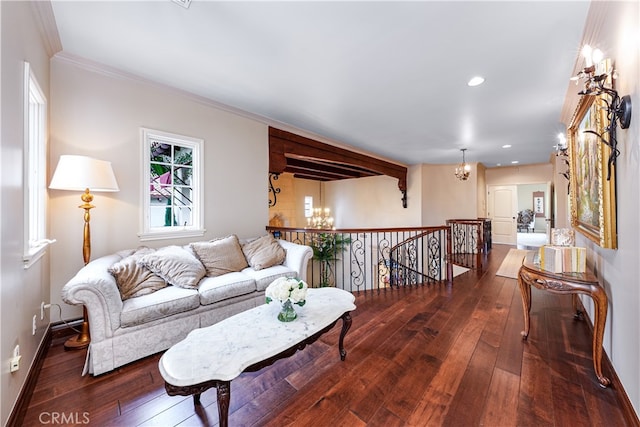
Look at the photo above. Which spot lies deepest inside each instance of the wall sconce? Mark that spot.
(596, 76)
(463, 169)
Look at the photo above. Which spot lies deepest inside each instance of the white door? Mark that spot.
(503, 207)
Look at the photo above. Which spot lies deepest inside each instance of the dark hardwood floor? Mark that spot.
(425, 356)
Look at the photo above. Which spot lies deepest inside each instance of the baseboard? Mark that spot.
(16, 418)
(63, 330)
(629, 412)
(54, 331)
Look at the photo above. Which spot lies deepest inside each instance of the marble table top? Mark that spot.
(224, 350)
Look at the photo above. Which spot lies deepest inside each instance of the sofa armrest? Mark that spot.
(97, 290)
(298, 257)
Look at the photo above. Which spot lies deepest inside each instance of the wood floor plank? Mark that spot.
(535, 399)
(438, 396)
(467, 405)
(502, 407)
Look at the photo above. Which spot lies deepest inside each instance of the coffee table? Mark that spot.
(247, 342)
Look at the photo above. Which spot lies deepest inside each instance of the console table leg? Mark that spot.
(525, 292)
(346, 325)
(196, 399)
(600, 300)
(224, 396)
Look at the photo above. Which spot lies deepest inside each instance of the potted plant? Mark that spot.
(326, 248)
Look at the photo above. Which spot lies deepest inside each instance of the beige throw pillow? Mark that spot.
(135, 280)
(264, 252)
(220, 256)
(176, 265)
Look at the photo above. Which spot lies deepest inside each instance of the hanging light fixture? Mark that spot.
(463, 169)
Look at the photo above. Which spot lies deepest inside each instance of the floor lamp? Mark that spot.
(81, 173)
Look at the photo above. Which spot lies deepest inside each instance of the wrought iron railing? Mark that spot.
(470, 241)
(373, 259)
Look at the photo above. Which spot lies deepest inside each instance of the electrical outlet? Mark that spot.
(43, 306)
(33, 331)
(14, 364)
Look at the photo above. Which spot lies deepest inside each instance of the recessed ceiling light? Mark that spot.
(498, 164)
(475, 81)
(506, 146)
(515, 162)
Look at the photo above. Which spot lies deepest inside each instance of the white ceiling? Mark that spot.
(385, 77)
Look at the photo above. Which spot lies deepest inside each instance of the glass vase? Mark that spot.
(287, 314)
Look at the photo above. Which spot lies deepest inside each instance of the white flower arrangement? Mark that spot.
(287, 288)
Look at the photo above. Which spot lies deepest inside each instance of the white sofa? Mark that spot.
(125, 331)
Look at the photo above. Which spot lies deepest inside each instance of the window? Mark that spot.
(35, 167)
(172, 186)
(308, 206)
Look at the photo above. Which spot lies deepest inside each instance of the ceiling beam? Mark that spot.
(289, 152)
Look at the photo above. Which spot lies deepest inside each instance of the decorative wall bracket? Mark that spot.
(273, 191)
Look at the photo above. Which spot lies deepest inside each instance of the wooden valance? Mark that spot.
(310, 159)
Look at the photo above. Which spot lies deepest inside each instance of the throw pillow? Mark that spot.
(220, 256)
(176, 265)
(264, 252)
(135, 280)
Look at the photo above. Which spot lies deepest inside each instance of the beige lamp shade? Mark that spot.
(82, 172)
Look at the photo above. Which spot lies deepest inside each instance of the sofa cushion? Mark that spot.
(264, 252)
(263, 278)
(176, 265)
(163, 303)
(220, 256)
(135, 280)
(219, 288)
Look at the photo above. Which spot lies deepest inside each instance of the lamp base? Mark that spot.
(78, 342)
(83, 339)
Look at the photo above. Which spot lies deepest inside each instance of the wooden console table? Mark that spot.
(531, 274)
(249, 341)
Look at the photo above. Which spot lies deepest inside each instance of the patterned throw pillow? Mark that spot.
(176, 265)
(135, 280)
(264, 252)
(220, 256)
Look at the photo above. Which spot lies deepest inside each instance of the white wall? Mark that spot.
(374, 201)
(614, 27)
(99, 114)
(446, 197)
(21, 291)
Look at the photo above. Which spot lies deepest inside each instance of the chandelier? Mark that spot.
(321, 219)
(463, 169)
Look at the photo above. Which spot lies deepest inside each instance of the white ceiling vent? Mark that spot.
(183, 3)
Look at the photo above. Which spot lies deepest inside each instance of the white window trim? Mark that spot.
(197, 228)
(34, 249)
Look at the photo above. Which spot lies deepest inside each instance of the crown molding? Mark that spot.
(43, 12)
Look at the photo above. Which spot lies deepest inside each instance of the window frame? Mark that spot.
(196, 229)
(35, 169)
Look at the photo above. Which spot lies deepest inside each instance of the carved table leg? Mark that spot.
(196, 399)
(525, 292)
(346, 325)
(600, 300)
(224, 396)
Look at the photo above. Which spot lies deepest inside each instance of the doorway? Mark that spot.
(536, 197)
(504, 203)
